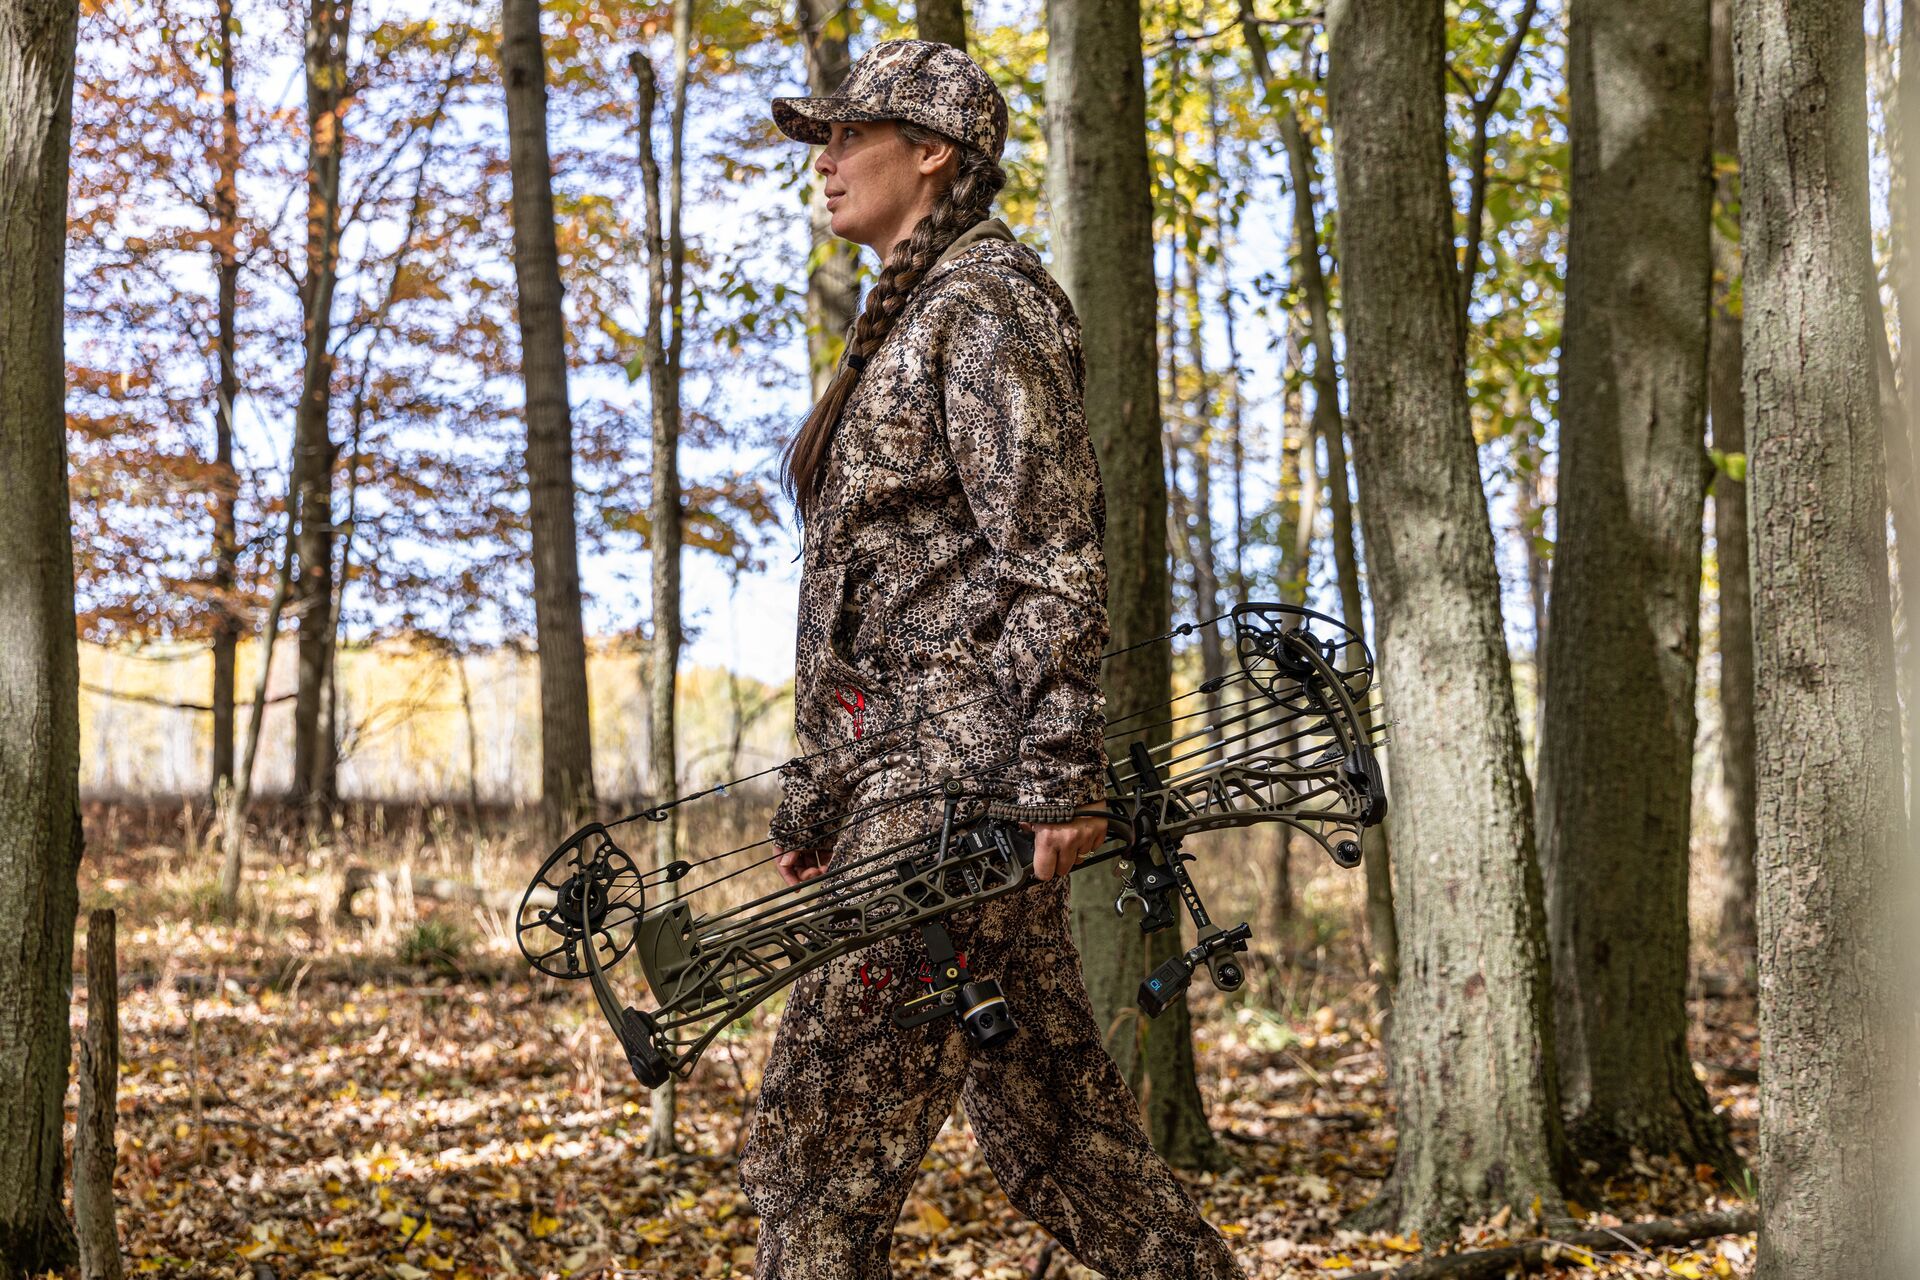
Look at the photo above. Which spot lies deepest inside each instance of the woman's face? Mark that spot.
(878, 185)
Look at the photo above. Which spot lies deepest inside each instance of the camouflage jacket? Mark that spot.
(954, 558)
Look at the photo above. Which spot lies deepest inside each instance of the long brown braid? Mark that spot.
(977, 179)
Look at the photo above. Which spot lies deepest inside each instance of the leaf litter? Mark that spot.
(344, 1115)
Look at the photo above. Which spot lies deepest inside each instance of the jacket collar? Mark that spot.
(985, 229)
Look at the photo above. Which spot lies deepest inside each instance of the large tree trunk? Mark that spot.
(942, 20)
(40, 835)
(226, 543)
(833, 286)
(1623, 632)
(329, 24)
(1330, 426)
(1727, 410)
(1103, 255)
(566, 746)
(1479, 1118)
(1830, 820)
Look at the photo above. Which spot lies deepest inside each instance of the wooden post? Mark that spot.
(93, 1146)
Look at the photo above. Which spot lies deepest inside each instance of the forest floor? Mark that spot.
(305, 1095)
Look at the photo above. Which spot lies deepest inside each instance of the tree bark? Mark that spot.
(566, 745)
(1727, 410)
(1614, 799)
(40, 836)
(1099, 190)
(94, 1152)
(942, 20)
(226, 542)
(1830, 813)
(1479, 1115)
(833, 284)
(329, 26)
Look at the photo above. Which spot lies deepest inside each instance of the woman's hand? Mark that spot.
(796, 865)
(1059, 846)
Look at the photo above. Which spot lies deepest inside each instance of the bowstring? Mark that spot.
(658, 813)
(1114, 728)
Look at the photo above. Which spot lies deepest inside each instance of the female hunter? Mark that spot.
(953, 517)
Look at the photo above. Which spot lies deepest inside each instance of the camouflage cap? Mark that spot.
(928, 83)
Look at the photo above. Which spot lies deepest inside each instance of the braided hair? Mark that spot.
(977, 179)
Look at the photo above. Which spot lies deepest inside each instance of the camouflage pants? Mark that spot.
(849, 1103)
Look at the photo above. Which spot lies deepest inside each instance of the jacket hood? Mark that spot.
(990, 243)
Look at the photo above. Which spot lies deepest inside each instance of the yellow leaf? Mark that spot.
(436, 1262)
(1688, 1268)
(931, 1218)
(656, 1231)
(1337, 1262)
(543, 1226)
(1403, 1244)
(1233, 1229)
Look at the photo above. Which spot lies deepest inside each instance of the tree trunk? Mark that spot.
(833, 285)
(942, 20)
(1906, 268)
(1303, 171)
(566, 745)
(94, 1152)
(1103, 255)
(1830, 820)
(329, 25)
(40, 835)
(1616, 758)
(666, 278)
(1728, 414)
(1479, 1117)
(226, 542)
(1206, 568)
(233, 820)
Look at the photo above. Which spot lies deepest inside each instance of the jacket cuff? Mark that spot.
(1057, 800)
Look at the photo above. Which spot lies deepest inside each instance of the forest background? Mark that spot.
(488, 465)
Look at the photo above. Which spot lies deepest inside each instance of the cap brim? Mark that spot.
(810, 119)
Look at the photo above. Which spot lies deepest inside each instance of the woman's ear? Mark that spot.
(935, 156)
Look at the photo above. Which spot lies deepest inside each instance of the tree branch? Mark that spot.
(1482, 108)
(1488, 1264)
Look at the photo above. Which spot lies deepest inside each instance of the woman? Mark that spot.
(953, 516)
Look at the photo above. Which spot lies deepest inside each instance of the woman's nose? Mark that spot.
(822, 164)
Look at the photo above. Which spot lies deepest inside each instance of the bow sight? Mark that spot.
(1288, 737)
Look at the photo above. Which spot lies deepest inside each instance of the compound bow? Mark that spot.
(1288, 737)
